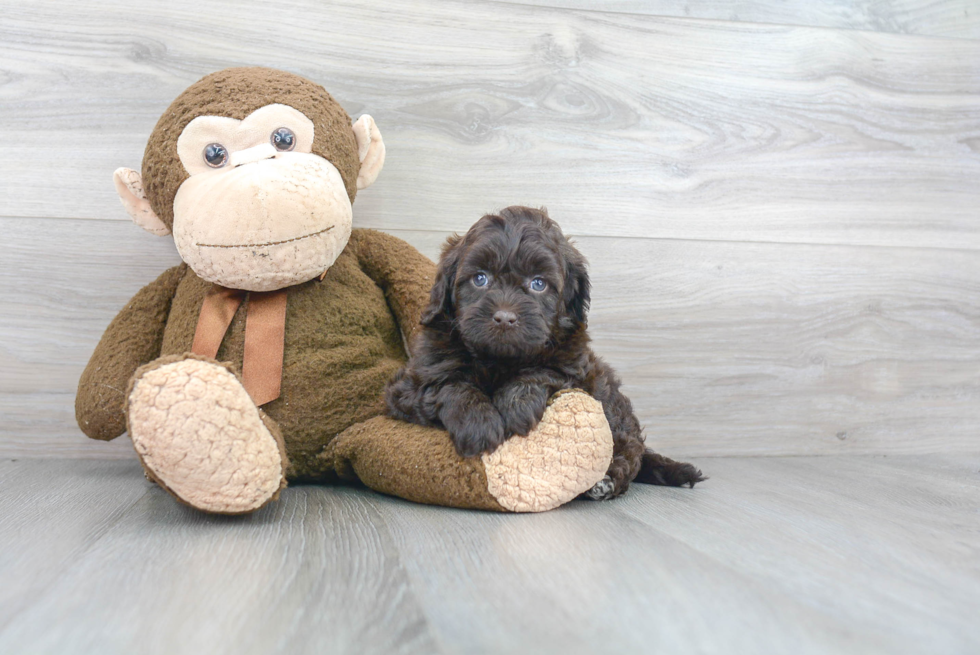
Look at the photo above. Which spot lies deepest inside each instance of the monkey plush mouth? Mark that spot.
(260, 245)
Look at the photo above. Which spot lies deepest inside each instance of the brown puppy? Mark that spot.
(504, 330)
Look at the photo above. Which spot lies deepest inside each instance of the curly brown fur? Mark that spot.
(504, 330)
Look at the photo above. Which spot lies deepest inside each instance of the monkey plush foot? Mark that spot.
(565, 456)
(202, 438)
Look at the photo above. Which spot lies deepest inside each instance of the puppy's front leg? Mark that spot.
(472, 421)
(522, 401)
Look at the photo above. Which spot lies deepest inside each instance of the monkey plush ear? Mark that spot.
(129, 186)
(370, 150)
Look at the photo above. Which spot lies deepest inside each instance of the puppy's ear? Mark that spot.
(440, 305)
(578, 289)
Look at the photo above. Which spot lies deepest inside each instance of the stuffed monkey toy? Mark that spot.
(263, 357)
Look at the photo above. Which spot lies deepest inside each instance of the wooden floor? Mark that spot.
(855, 554)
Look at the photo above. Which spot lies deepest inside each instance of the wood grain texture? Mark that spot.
(783, 222)
(56, 307)
(777, 349)
(625, 125)
(956, 18)
(862, 541)
(316, 573)
(803, 555)
(51, 514)
(585, 576)
(725, 348)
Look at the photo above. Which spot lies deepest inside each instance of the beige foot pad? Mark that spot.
(201, 436)
(563, 457)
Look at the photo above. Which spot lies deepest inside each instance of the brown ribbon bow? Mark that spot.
(265, 333)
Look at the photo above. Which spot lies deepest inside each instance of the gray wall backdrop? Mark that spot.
(781, 204)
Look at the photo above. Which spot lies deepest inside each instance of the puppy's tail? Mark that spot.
(657, 469)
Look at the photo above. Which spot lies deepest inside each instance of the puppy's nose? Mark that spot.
(505, 319)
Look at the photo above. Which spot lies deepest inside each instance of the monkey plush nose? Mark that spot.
(253, 154)
(505, 319)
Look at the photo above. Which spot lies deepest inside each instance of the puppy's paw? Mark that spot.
(481, 432)
(521, 420)
(603, 489)
(685, 475)
(657, 469)
(521, 406)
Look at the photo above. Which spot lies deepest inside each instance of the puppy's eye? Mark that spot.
(538, 284)
(480, 280)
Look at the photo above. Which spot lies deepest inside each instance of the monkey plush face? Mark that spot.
(257, 184)
(259, 210)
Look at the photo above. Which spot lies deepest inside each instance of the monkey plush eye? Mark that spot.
(538, 284)
(215, 155)
(283, 139)
(480, 280)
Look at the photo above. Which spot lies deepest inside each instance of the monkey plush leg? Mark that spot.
(563, 457)
(201, 437)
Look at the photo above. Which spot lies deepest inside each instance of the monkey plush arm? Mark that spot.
(132, 339)
(403, 273)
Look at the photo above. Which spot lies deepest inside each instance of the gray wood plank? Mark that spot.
(586, 577)
(802, 555)
(625, 125)
(725, 348)
(62, 283)
(956, 18)
(51, 514)
(42, 424)
(891, 543)
(774, 349)
(314, 573)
